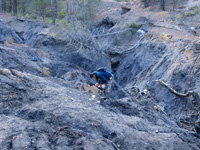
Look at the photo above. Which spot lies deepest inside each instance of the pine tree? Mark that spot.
(23, 6)
(0, 6)
(54, 12)
(10, 5)
(145, 4)
(4, 5)
(162, 5)
(15, 6)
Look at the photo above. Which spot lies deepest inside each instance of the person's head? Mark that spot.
(92, 75)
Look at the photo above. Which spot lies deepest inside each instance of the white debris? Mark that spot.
(156, 131)
(156, 108)
(141, 33)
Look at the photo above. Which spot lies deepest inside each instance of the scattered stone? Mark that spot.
(156, 108)
(17, 73)
(193, 31)
(141, 33)
(165, 37)
(156, 131)
(149, 35)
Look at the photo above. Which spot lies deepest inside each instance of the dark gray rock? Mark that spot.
(157, 61)
(6, 32)
(53, 113)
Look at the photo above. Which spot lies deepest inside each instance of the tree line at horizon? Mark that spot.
(52, 9)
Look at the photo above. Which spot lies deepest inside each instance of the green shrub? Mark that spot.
(134, 25)
(48, 19)
(183, 15)
(62, 14)
(188, 14)
(194, 7)
(29, 16)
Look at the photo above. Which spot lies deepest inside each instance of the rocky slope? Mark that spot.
(40, 112)
(169, 52)
(47, 101)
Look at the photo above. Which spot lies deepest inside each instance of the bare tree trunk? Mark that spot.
(34, 14)
(73, 14)
(68, 11)
(55, 12)
(72, 9)
(162, 5)
(145, 4)
(0, 6)
(52, 9)
(174, 4)
(4, 5)
(23, 6)
(56, 8)
(45, 25)
(10, 5)
(15, 6)
(84, 10)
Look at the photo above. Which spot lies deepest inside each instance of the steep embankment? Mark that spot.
(39, 112)
(52, 111)
(169, 52)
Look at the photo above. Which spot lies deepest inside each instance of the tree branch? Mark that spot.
(112, 33)
(189, 93)
(78, 41)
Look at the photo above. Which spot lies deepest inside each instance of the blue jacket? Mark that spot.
(102, 76)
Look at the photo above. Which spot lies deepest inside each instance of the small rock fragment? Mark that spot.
(156, 131)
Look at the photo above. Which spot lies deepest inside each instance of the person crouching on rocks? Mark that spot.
(104, 80)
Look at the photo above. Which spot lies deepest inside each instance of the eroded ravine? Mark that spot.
(57, 110)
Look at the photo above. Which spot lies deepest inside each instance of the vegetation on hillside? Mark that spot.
(52, 11)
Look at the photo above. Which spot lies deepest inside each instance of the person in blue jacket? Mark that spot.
(104, 80)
